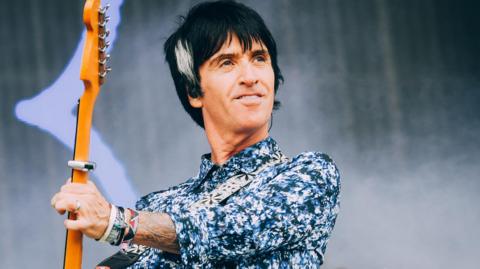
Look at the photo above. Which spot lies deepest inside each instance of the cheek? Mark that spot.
(272, 89)
(215, 91)
(270, 77)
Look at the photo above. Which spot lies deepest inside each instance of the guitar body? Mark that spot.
(92, 72)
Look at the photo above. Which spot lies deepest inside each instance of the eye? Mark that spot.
(226, 62)
(260, 58)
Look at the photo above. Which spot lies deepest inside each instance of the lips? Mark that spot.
(251, 99)
(249, 96)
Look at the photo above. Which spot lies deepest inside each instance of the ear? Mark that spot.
(195, 102)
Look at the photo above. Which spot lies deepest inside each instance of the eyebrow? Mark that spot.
(221, 57)
(260, 52)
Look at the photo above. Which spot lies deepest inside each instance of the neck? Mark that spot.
(225, 145)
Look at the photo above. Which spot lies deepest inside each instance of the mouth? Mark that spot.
(249, 96)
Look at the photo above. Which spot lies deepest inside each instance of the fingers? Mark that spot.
(83, 226)
(71, 204)
(55, 205)
(85, 200)
(78, 225)
(89, 222)
(75, 225)
(52, 201)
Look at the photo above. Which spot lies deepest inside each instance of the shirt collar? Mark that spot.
(247, 160)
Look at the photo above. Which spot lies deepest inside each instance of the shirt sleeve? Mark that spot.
(297, 208)
(157, 201)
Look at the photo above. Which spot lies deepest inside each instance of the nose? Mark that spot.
(248, 75)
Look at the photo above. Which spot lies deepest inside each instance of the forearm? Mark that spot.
(157, 230)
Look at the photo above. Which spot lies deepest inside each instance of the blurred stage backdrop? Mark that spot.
(390, 89)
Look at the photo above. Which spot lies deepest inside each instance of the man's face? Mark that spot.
(238, 89)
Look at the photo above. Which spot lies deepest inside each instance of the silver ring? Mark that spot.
(77, 206)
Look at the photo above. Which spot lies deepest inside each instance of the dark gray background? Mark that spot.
(390, 89)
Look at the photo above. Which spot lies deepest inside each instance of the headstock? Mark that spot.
(94, 62)
(103, 43)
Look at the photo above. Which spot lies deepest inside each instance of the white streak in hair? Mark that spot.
(184, 57)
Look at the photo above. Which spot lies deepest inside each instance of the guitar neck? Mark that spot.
(73, 240)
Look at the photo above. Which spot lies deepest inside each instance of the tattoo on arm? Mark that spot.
(157, 230)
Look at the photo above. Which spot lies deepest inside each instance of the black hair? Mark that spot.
(201, 34)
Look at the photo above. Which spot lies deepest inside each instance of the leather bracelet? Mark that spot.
(132, 226)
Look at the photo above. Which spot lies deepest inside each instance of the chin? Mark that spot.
(252, 124)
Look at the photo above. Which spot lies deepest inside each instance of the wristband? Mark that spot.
(118, 230)
(113, 214)
(132, 228)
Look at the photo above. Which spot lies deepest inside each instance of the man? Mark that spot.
(249, 206)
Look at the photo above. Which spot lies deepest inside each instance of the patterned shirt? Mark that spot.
(281, 219)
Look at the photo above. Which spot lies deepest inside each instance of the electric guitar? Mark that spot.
(92, 72)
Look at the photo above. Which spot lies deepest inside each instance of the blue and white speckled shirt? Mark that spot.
(282, 219)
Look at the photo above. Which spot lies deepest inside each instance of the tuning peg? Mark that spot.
(104, 73)
(102, 21)
(104, 9)
(104, 34)
(104, 60)
(102, 42)
(103, 49)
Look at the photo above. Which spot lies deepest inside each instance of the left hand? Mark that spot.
(90, 207)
